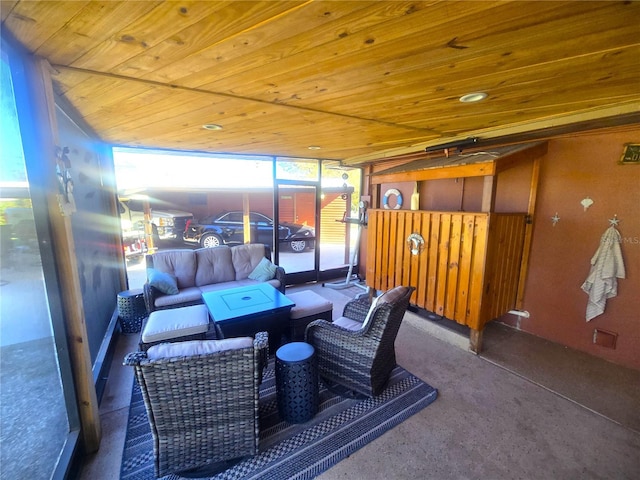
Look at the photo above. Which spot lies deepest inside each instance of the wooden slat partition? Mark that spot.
(467, 270)
(504, 258)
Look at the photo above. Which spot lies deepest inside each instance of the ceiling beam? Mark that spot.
(619, 115)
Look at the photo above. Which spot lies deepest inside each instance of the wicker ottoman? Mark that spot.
(309, 306)
(175, 325)
(131, 310)
(297, 382)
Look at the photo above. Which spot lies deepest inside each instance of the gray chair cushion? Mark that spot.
(348, 323)
(197, 347)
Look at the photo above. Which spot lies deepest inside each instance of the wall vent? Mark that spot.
(605, 338)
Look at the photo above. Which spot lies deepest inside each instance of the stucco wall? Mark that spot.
(574, 168)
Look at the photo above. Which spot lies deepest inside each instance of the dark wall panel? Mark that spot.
(94, 227)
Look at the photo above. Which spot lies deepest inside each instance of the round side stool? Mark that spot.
(131, 310)
(297, 382)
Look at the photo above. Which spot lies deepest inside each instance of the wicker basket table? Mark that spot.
(131, 310)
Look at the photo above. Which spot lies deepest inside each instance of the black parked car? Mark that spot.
(228, 229)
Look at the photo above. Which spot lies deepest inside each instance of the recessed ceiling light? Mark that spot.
(212, 126)
(473, 97)
(313, 147)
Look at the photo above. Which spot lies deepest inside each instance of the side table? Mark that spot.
(131, 310)
(297, 382)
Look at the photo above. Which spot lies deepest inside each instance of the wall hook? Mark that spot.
(613, 222)
(586, 203)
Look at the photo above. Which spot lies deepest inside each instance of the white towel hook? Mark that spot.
(613, 222)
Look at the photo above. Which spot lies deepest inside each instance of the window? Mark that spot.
(37, 415)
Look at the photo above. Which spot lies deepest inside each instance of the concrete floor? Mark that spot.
(30, 384)
(523, 409)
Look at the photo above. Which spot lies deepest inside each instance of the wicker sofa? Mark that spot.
(205, 269)
(202, 400)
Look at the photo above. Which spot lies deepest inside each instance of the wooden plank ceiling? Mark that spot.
(362, 80)
(461, 165)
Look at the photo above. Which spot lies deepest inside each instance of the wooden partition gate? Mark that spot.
(466, 270)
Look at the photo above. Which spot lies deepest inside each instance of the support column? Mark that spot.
(528, 233)
(246, 220)
(67, 267)
(475, 340)
(489, 193)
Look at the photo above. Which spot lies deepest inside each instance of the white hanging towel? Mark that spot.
(606, 267)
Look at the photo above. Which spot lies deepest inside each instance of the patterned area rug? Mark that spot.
(294, 451)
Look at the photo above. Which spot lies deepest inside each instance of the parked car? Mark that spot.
(228, 229)
(165, 224)
(135, 246)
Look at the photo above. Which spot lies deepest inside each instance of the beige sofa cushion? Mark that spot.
(174, 323)
(247, 282)
(197, 347)
(179, 263)
(308, 303)
(246, 258)
(186, 295)
(214, 266)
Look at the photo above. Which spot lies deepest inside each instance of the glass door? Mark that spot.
(296, 212)
(340, 217)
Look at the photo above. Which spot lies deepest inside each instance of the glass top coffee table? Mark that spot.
(244, 311)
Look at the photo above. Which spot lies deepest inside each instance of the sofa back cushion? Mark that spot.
(180, 263)
(214, 266)
(246, 258)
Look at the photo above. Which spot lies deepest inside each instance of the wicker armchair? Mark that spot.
(202, 407)
(357, 350)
